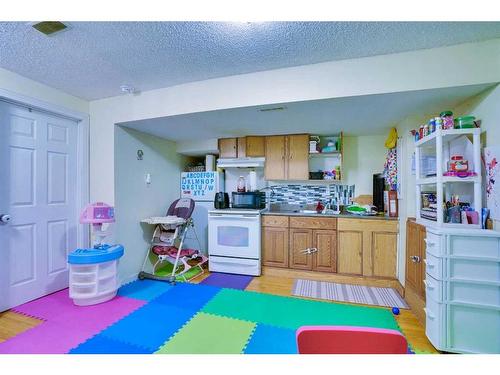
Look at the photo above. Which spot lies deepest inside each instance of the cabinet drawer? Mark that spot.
(313, 222)
(475, 246)
(434, 322)
(433, 288)
(275, 221)
(473, 329)
(483, 294)
(475, 270)
(434, 244)
(434, 266)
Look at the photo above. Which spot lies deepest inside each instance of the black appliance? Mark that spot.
(250, 199)
(221, 200)
(378, 191)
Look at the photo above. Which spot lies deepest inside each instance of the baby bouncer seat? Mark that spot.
(167, 244)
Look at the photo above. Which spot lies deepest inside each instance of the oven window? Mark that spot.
(232, 236)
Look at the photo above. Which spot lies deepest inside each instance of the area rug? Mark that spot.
(154, 317)
(227, 280)
(366, 295)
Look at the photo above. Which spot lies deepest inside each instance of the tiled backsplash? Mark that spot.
(309, 194)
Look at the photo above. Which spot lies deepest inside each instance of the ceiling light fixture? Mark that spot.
(127, 89)
(272, 109)
(49, 27)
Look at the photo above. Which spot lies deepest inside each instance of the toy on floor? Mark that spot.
(395, 311)
(167, 244)
(350, 340)
(93, 271)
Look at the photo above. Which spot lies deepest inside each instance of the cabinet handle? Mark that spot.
(432, 317)
(429, 243)
(415, 258)
(428, 285)
(428, 264)
(309, 250)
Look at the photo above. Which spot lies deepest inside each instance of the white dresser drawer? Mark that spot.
(475, 246)
(434, 323)
(434, 266)
(476, 270)
(482, 294)
(434, 244)
(434, 288)
(473, 329)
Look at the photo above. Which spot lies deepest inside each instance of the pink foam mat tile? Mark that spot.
(66, 325)
(59, 307)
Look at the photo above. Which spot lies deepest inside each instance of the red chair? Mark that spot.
(350, 340)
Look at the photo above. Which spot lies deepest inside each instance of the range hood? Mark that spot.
(241, 163)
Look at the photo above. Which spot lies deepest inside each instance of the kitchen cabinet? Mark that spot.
(313, 244)
(287, 157)
(275, 240)
(251, 146)
(367, 247)
(350, 252)
(415, 256)
(300, 249)
(228, 147)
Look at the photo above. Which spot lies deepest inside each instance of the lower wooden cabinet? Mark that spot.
(350, 252)
(275, 247)
(313, 249)
(300, 243)
(415, 256)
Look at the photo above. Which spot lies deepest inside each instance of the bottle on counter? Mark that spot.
(241, 187)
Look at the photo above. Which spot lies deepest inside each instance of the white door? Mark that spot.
(38, 170)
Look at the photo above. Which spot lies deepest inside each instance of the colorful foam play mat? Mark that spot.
(155, 317)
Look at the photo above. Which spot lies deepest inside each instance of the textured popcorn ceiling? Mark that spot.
(92, 59)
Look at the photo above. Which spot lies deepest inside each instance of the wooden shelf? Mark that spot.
(324, 154)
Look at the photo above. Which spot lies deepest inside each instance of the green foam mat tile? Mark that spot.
(209, 334)
(287, 312)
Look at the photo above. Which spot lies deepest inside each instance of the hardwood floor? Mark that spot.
(12, 323)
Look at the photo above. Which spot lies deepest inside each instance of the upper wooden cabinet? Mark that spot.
(228, 148)
(415, 255)
(287, 157)
(251, 146)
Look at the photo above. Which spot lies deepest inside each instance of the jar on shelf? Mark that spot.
(458, 164)
(447, 117)
(438, 123)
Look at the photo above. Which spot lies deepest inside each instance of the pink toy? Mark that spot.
(97, 214)
(350, 340)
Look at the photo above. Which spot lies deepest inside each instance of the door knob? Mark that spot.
(4, 219)
(415, 258)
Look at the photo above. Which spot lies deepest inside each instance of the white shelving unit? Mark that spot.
(438, 144)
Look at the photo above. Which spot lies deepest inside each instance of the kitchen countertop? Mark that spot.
(345, 215)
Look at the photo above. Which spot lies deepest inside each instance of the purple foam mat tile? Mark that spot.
(227, 280)
(59, 307)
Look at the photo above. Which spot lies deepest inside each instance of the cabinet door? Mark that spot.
(420, 265)
(325, 258)
(275, 247)
(255, 146)
(300, 240)
(228, 148)
(349, 252)
(298, 157)
(385, 247)
(275, 158)
(415, 254)
(242, 147)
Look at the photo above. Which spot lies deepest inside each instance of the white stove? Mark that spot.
(234, 241)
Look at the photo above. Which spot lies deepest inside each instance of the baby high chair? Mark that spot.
(168, 241)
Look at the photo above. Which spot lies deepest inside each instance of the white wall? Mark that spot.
(466, 64)
(24, 86)
(134, 199)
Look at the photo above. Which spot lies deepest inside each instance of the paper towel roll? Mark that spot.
(252, 180)
(210, 163)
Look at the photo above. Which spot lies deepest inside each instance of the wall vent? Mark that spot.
(272, 109)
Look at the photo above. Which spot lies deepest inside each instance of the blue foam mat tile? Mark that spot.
(268, 339)
(104, 345)
(149, 326)
(145, 290)
(187, 296)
